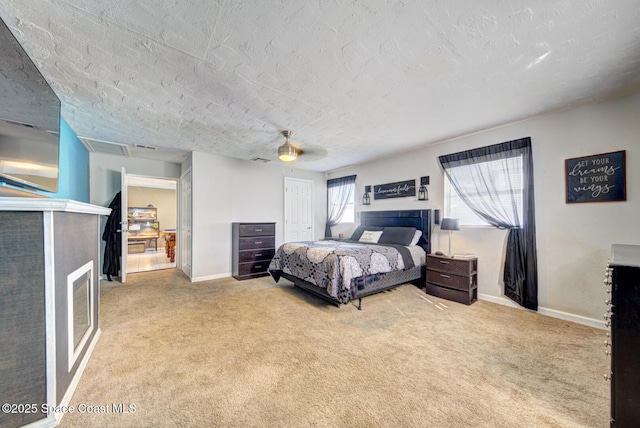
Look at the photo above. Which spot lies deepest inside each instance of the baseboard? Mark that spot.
(66, 399)
(579, 319)
(210, 277)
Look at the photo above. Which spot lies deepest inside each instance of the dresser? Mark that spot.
(453, 278)
(622, 279)
(253, 249)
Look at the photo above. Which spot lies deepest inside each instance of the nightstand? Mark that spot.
(453, 279)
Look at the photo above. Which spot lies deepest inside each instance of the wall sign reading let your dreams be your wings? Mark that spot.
(596, 178)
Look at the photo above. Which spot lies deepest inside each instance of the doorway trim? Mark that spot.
(138, 180)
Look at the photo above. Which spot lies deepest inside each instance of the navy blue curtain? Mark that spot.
(476, 186)
(339, 193)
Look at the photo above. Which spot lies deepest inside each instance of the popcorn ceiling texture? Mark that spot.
(355, 80)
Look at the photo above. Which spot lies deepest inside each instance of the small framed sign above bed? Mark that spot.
(399, 189)
(596, 178)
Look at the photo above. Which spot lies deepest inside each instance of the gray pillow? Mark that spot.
(397, 235)
(360, 229)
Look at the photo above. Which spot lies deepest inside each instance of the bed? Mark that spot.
(342, 270)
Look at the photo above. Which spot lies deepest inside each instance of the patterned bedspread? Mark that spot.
(333, 265)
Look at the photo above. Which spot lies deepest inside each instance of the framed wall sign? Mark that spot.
(596, 178)
(394, 190)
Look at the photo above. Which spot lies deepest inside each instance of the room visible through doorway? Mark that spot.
(152, 216)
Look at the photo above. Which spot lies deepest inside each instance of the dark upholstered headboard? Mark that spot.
(420, 219)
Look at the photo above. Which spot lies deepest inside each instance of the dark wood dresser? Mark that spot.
(253, 249)
(453, 279)
(623, 316)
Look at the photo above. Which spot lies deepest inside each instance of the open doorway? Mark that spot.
(152, 212)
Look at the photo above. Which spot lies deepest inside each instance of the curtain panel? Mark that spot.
(339, 193)
(479, 188)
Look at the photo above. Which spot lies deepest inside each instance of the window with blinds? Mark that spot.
(505, 175)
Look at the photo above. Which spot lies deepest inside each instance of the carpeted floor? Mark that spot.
(255, 353)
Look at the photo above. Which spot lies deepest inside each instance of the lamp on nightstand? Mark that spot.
(450, 224)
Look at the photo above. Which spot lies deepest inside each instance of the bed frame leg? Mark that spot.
(360, 303)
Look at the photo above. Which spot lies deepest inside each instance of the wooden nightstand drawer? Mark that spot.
(461, 296)
(449, 280)
(452, 266)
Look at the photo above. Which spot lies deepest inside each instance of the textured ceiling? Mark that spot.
(355, 80)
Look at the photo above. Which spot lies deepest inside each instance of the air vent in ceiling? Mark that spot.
(263, 160)
(105, 147)
(142, 146)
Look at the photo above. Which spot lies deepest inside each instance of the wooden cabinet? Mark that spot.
(253, 248)
(453, 279)
(623, 316)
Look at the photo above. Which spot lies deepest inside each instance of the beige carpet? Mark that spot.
(255, 353)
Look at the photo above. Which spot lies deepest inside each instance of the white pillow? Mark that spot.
(416, 238)
(370, 236)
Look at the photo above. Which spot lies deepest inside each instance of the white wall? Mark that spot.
(574, 240)
(104, 174)
(227, 190)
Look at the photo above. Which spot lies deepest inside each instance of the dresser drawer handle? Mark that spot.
(445, 276)
(258, 242)
(258, 230)
(444, 262)
(257, 266)
(258, 254)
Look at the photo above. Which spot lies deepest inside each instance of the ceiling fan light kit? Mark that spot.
(287, 152)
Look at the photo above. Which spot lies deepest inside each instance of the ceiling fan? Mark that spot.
(290, 151)
(287, 152)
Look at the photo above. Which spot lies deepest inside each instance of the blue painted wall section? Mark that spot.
(73, 179)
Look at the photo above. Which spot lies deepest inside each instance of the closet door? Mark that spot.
(298, 201)
(185, 223)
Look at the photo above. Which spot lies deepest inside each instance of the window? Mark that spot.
(341, 203)
(506, 178)
(497, 181)
(349, 213)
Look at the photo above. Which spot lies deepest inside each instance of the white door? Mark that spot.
(298, 211)
(185, 223)
(124, 225)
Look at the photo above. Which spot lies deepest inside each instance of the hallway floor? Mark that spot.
(149, 260)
